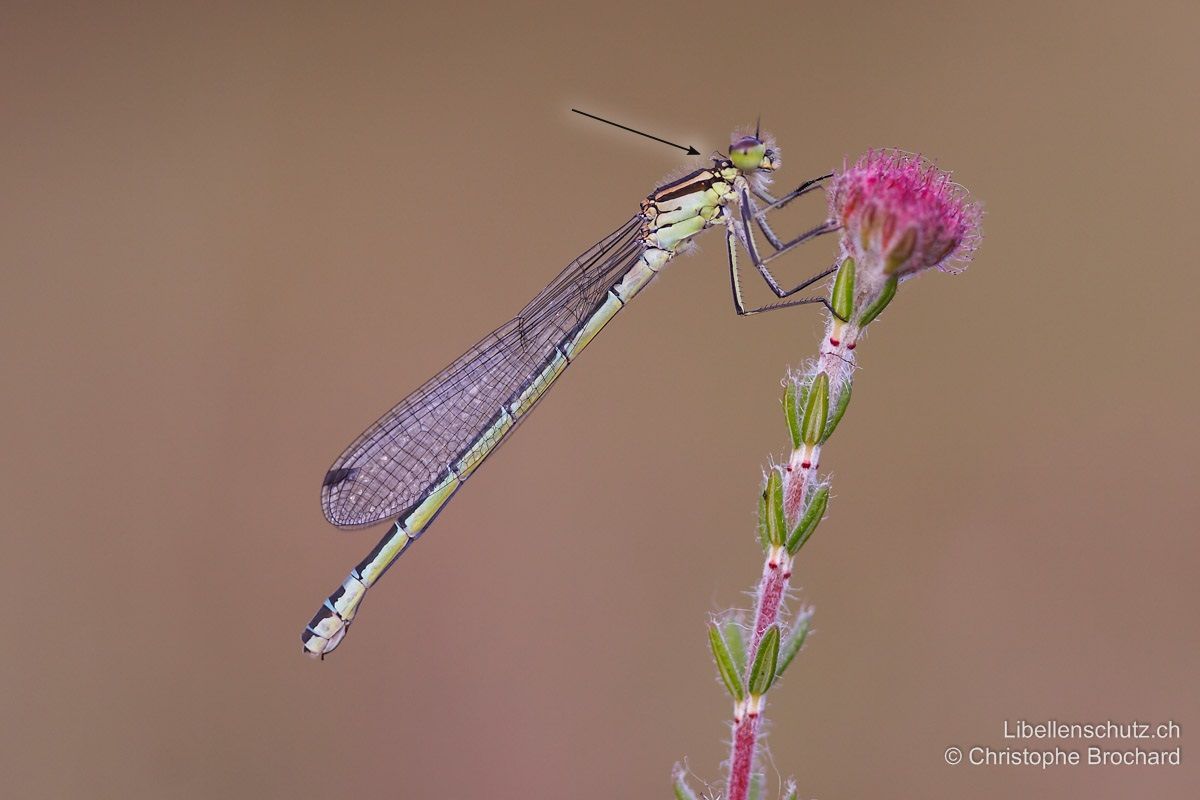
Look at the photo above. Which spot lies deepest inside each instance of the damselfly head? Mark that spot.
(751, 154)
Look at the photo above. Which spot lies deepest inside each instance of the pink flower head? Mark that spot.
(900, 215)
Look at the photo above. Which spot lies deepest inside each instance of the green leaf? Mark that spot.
(725, 666)
(732, 629)
(842, 297)
(794, 642)
(880, 303)
(762, 674)
(764, 533)
(809, 520)
(756, 786)
(791, 411)
(839, 410)
(682, 790)
(776, 526)
(816, 411)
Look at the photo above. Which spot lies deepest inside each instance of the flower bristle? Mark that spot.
(901, 215)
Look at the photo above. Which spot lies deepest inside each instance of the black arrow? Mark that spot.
(691, 151)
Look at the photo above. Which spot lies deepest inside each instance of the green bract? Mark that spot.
(725, 666)
(842, 298)
(732, 632)
(793, 644)
(839, 410)
(762, 674)
(776, 525)
(809, 520)
(791, 410)
(764, 532)
(881, 302)
(682, 790)
(816, 410)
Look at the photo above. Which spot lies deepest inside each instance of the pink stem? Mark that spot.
(745, 743)
(837, 361)
(776, 572)
(771, 590)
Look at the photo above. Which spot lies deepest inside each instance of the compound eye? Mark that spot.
(747, 153)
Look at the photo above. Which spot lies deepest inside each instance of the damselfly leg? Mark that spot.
(738, 229)
(773, 203)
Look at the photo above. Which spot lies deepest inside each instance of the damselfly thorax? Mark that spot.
(408, 465)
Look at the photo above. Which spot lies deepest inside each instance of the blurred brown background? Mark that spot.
(231, 238)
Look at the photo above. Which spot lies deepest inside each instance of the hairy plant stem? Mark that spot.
(836, 362)
(899, 216)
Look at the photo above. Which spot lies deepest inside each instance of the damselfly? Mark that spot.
(408, 465)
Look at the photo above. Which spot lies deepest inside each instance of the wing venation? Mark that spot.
(392, 465)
